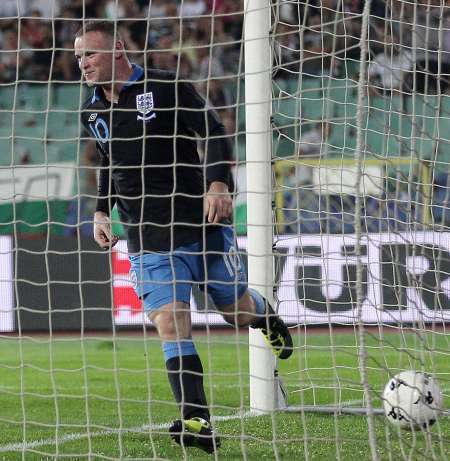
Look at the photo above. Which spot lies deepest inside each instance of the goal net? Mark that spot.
(339, 117)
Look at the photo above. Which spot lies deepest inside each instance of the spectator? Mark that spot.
(387, 69)
(12, 8)
(37, 34)
(132, 24)
(34, 31)
(287, 51)
(319, 53)
(232, 19)
(125, 9)
(88, 8)
(430, 63)
(188, 43)
(189, 8)
(289, 13)
(157, 8)
(66, 26)
(164, 56)
(65, 68)
(211, 60)
(226, 47)
(208, 65)
(12, 59)
(47, 9)
(160, 26)
(315, 142)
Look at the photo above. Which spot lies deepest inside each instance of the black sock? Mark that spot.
(186, 379)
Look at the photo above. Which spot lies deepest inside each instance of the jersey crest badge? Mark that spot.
(144, 105)
(92, 117)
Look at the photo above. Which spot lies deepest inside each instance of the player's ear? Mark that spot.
(119, 49)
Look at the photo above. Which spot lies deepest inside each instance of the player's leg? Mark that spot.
(185, 372)
(163, 281)
(184, 368)
(252, 310)
(239, 305)
(274, 330)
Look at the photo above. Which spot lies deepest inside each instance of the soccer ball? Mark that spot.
(412, 400)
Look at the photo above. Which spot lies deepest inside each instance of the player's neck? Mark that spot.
(112, 90)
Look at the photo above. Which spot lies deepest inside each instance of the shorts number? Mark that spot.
(232, 261)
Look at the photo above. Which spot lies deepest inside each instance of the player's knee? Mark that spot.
(171, 324)
(239, 319)
(240, 314)
(244, 319)
(167, 328)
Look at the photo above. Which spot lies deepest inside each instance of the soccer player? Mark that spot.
(176, 210)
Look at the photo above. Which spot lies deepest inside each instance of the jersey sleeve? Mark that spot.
(205, 122)
(105, 188)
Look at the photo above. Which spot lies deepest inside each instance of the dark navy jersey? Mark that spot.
(150, 168)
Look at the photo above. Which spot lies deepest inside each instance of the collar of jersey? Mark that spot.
(137, 73)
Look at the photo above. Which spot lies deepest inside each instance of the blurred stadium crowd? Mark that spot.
(317, 58)
(202, 38)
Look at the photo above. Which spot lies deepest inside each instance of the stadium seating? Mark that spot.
(69, 96)
(421, 116)
(42, 123)
(7, 93)
(441, 200)
(443, 135)
(389, 126)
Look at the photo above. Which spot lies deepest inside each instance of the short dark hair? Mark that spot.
(106, 27)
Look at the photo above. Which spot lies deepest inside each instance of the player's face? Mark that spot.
(94, 53)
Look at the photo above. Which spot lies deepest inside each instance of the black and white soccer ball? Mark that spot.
(412, 400)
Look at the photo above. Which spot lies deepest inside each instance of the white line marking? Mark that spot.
(21, 446)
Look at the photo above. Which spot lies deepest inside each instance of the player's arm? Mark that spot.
(105, 202)
(218, 151)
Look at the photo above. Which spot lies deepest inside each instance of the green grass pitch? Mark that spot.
(108, 398)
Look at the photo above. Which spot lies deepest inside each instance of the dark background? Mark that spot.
(62, 284)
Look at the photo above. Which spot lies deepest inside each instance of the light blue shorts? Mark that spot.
(162, 278)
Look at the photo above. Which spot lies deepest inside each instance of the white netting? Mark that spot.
(361, 196)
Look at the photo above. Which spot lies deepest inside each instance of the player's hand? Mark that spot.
(102, 231)
(218, 203)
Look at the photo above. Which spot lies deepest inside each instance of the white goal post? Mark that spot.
(265, 391)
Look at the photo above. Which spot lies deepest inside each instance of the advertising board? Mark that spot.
(406, 278)
(6, 284)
